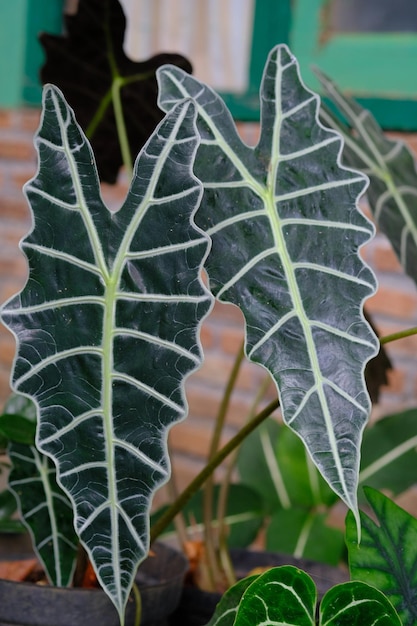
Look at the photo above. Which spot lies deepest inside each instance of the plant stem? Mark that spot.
(211, 551)
(121, 126)
(400, 335)
(99, 114)
(207, 471)
(224, 492)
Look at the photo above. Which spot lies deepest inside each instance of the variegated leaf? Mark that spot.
(107, 327)
(286, 232)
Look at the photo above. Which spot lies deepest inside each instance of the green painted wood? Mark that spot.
(20, 52)
(43, 15)
(12, 53)
(272, 20)
(377, 69)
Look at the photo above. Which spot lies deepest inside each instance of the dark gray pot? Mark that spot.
(160, 581)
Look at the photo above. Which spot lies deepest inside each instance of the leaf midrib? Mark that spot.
(291, 278)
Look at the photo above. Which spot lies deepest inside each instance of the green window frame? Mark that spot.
(21, 55)
(271, 26)
(23, 20)
(377, 69)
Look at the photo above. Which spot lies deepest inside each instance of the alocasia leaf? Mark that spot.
(390, 165)
(287, 596)
(45, 510)
(107, 327)
(386, 556)
(286, 234)
(87, 63)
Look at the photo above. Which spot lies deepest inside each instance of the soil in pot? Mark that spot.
(160, 580)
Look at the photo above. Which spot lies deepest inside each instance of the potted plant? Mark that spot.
(107, 326)
(105, 288)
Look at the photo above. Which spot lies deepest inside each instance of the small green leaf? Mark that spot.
(7, 504)
(17, 404)
(227, 608)
(357, 604)
(45, 510)
(17, 428)
(259, 468)
(387, 554)
(305, 533)
(283, 595)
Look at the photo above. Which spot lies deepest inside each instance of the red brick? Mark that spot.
(16, 150)
(207, 337)
(231, 340)
(13, 208)
(7, 349)
(6, 117)
(227, 313)
(29, 120)
(393, 303)
(18, 179)
(13, 266)
(385, 259)
(192, 436)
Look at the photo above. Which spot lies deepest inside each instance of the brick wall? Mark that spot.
(393, 308)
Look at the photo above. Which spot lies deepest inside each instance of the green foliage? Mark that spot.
(387, 553)
(285, 214)
(287, 596)
(390, 165)
(296, 500)
(102, 289)
(108, 323)
(243, 517)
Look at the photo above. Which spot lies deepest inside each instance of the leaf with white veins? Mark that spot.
(107, 327)
(286, 234)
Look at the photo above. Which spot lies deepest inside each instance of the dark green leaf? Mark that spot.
(17, 428)
(107, 327)
(357, 604)
(390, 165)
(387, 554)
(282, 595)
(285, 216)
(45, 510)
(86, 62)
(287, 596)
(227, 608)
